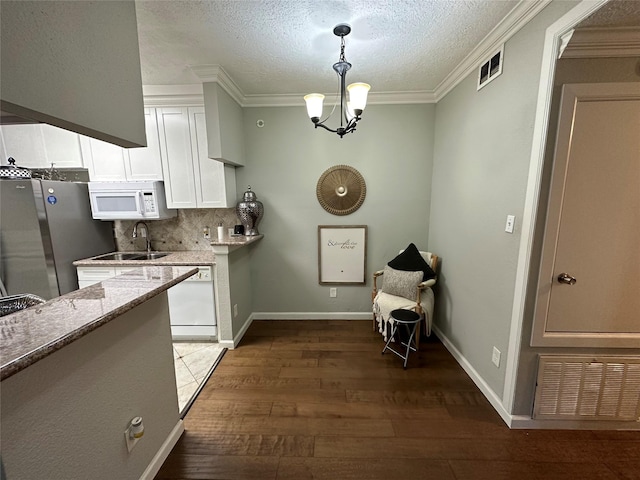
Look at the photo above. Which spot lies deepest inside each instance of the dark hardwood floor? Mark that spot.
(316, 400)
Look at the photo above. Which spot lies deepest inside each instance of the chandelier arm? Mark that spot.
(333, 109)
(320, 124)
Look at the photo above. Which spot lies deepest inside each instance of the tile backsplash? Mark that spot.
(184, 232)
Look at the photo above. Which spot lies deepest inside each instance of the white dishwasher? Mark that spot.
(192, 307)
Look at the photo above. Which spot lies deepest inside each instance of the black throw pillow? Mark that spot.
(410, 260)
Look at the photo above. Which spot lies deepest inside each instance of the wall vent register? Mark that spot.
(588, 388)
(491, 68)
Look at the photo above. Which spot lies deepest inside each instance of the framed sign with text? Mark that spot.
(342, 254)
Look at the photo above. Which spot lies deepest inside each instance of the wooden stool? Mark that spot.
(410, 320)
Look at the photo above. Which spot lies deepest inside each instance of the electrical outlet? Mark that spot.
(495, 357)
(134, 433)
(235, 310)
(206, 233)
(333, 292)
(131, 442)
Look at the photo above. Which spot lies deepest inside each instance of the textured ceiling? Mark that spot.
(288, 47)
(280, 47)
(616, 13)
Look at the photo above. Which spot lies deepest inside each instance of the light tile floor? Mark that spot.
(193, 361)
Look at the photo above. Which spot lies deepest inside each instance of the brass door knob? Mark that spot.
(567, 279)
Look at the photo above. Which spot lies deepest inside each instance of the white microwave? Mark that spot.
(129, 201)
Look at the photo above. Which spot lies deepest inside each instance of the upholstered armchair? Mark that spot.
(406, 283)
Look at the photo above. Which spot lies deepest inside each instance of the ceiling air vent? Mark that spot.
(491, 68)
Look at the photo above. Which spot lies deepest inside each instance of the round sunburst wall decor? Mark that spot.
(341, 190)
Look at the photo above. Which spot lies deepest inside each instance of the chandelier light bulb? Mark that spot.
(358, 96)
(314, 104)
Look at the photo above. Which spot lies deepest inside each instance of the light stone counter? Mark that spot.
(236, 240)
(196, 257)
(192, 257)
(32, 334)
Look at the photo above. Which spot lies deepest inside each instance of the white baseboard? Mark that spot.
(312, 316)
(495, 401)
(159, 458)
(526, 422)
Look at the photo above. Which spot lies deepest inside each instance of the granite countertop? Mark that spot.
(236, 240)
(32, 334)
(194, 257)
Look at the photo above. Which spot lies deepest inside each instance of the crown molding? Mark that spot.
(172, 95)
(388, 98)
(215, 73)
(509, 26)
(603, 42)
(374, 98)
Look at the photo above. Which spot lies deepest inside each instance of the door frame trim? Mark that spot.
(552, 43)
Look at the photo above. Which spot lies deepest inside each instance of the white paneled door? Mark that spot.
(590, 274)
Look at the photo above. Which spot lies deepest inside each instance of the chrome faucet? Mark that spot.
(145, 235)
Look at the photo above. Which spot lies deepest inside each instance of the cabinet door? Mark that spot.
(92, 275)
(25, 144)
(144, 163)
(62, 147)
(104, 160)
(177, 160)
(209, 174)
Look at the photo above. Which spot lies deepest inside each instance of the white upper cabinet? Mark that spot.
(215, 180)
(25, 144)
(144, 163)
(192, 180)
(224, 132)
(177, 160)
(111, 163)
(40, 145)
(105, 161)
(62, 147)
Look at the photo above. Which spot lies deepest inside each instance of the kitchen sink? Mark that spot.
(118, 256)
(132, 256)
(150, 256)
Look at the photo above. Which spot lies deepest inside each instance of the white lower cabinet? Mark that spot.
(191, 302)
(88, 276)
(192, 180)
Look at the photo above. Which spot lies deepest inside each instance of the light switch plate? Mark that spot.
(495, 357)
(511, 220)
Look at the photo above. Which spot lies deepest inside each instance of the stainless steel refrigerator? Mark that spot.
(45, 226)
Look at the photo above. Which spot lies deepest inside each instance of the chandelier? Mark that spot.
(351, 110)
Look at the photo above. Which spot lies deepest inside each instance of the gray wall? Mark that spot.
(587, 70)
(392, 149)
(240, 284)
(481, 160)
(64, 417)
(75, 65)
